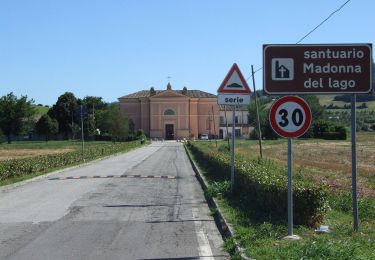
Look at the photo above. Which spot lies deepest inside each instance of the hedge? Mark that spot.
(264, 187)
(19, 167)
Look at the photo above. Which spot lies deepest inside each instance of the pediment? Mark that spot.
(168, 94)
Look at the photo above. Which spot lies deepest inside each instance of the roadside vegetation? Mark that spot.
(317, 162)
(25, 160)
(35, 139)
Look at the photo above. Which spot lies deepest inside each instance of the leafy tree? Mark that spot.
(89, 126)
(111, 121)
(47, 126)
(315, 107)
(93, 104)
(64, 112)
(263, 112)
(15, 114)
(265, 127)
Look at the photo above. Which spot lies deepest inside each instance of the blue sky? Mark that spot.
(116, 47)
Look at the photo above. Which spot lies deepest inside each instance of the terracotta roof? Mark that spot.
(190, 93)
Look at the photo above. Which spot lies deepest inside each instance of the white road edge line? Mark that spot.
(204, 247)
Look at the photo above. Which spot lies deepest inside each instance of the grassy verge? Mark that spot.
(262, 238)
(16, 170)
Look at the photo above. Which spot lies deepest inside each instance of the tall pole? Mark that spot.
(213, 116)
(258, 121)
(354, 164)
(233, 138)
(82, 136)
(226, 123)
(290, 188)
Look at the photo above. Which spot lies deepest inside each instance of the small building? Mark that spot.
(241, 122)
(172, 114)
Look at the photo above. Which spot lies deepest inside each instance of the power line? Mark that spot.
(314, 29)
(329, 16)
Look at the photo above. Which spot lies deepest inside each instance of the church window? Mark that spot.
(169, 112)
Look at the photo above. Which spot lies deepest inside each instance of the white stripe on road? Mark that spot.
(204, 248)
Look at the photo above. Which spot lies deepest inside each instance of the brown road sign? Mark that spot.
(317, 68)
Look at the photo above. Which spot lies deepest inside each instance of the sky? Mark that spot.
(116, 47)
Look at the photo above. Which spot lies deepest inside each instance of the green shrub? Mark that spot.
(140, 134)
(224, 148)
(327, 130)
(343, 202)
(2, 137)
(264, 187)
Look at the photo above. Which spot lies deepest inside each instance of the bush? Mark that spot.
(264, 187)
(327, 130)
(2, 137)
(140, 134)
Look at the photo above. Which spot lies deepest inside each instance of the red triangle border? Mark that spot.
(233, 69)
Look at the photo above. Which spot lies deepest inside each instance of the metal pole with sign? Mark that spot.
(354, 164)
(233, 91)
(233, 140)
(290, 188)
(321, 69)
(290, 117)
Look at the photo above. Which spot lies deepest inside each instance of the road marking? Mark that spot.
(113, 176)
(204, 247)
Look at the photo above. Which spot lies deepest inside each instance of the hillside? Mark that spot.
(40, 110)
(327, 100)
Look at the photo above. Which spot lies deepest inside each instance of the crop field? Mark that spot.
(323, 160)
(320, 160)
(26, 149)
(27, 159)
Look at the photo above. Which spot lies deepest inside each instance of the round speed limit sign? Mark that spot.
(290, 116)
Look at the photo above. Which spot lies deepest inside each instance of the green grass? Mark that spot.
(41, 110)
(262, 238)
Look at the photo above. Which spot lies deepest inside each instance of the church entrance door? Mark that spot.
(169, 132)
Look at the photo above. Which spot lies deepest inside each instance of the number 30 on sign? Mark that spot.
(290, 116)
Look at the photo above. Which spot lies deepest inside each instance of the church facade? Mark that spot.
(172, 114)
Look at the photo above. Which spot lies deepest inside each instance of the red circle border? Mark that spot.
(277, 104)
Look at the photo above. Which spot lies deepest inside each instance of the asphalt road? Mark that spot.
(145, 204)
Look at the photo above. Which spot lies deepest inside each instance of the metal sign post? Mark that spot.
(233, 139)
(354, 164)
(290, 117)
(290, 188)
(233, 91)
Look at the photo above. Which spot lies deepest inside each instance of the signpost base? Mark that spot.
(292, 237)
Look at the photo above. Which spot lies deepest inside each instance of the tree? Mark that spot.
(315, 107)
(111, 121)
(265, 126)
(92, 106)
(47, 126)
(64, 111)
(15, 114)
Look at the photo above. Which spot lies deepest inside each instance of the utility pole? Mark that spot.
(82, 136)
(258, 121)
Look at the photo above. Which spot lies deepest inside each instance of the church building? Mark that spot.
(172, 114)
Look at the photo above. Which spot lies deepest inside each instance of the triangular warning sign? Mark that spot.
(234, 82)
